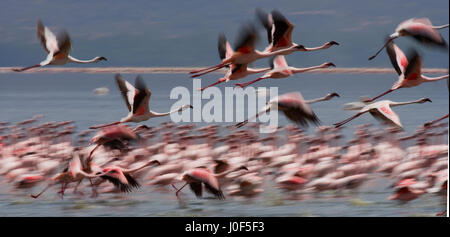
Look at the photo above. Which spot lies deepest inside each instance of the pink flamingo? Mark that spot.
(280, 69)
(420, 29)
(294, 107)
(235, 71)
(279, 33)
(382, 111)
(408, 69)
(137, 101)
(58, 49)
(245, 51)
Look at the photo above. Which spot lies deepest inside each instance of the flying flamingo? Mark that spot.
(137, 101)
(382, 111)
(280, 69)
(112, 134)
(121, 178)
(245, 51)
(294, 107)
(73, 173)
(196, 176)
(420, 29)
(408, 69)
(279, 33)
(58, 49)
(235, 71)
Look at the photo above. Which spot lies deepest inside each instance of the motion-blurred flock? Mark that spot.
(236, 160)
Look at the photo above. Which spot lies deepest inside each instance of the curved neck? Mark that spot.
(258, 70)
(156, 114)
(429, 79)
(440, 27)
(139, 168)
(317, 100)
(324, 46)
(300, 70)
(405, 103)
(74, 60)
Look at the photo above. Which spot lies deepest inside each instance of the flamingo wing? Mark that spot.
(279, 61)
(64, 43)
(266, 21)
(197, 188)
(296, 109)
(246, 39)
(127, 90)
(283, 30)
(48, 39)
(413, 70)
(425, 33)
(397, 57)
(141, 99)
(387, 114)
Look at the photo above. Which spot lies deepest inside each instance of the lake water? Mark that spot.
(70, 96)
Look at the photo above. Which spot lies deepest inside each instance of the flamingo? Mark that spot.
(137, 101)
(121, 178)
(420, 29)
(279, 33)
(58, 49)
(196, 176)
(235, 71)
(382, 111)
(245, 51)
(280, 69)
(294, 107)
(111, 135)
(408, 69)
(73, 173)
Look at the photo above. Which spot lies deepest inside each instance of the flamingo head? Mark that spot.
(101, 58)
(423, 100)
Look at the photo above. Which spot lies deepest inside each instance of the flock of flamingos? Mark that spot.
(236, 160)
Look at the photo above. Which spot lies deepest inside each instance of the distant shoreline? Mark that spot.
(186, 70)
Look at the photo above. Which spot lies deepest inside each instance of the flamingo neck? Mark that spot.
(430, 79)
(75, 60)
(300, 70)
(405, 103)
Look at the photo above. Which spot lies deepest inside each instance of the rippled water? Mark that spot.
(69, 96)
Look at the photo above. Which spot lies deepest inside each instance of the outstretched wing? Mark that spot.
(413, 70)
(389, 115)
(282, 35)
(141, 99)
(246, 39)
(397, 57)
(64, 43)
(294, 107)
(127, 90)
(279, 62)
(48, 39)
(266, 21)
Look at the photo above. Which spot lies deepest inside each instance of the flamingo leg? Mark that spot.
(208, 71)
(178, 191)
(435, 121)
(376, 97)
(104, 125)
(242, 85)
(347, 120)
(205, 69)
(39, 194)
(215, 83)
(75, 190)
(25, 68)
(94, 190)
